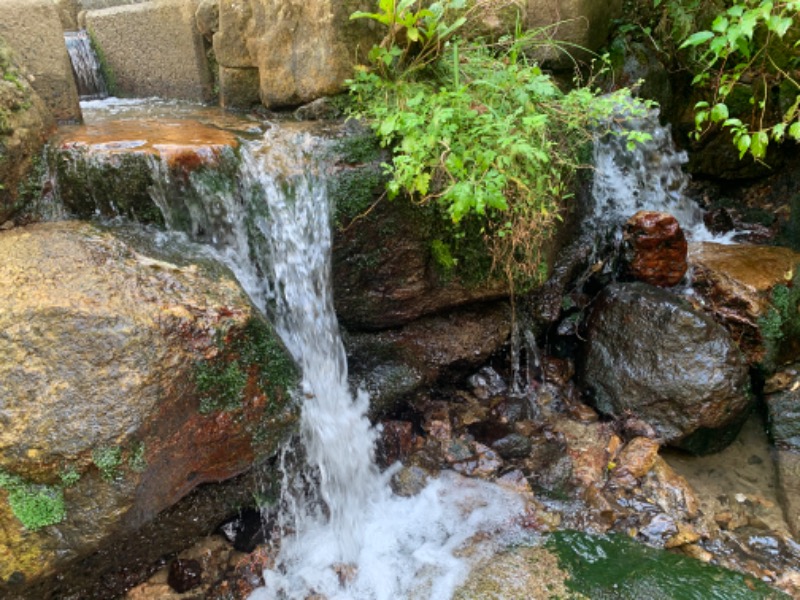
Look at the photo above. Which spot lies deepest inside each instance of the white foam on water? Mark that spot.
(417, 547)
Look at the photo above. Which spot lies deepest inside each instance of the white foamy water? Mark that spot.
(391, 547)
(648, 176)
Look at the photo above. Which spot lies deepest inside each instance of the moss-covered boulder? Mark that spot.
(128, 381)
(24, 125)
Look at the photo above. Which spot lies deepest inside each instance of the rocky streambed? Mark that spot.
(624, 371)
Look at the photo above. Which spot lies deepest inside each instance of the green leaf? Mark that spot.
(743, 144)
(697, 38)
(759, 143)
(719, 113)
(794, 130)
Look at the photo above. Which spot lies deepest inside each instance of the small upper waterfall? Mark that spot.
(85, 66)
(644, 176)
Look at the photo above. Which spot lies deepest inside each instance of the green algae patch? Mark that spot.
(36, 506)
(616, 567)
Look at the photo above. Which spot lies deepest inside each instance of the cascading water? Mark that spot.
(646, 176)
(85, 66)
(350, 537)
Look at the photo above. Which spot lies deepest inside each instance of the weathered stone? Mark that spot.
(783, 407)
(68, 14)
(569, 26)
(671, 492)
(513, 445)
(655, 248)
(141, 378)
(637, 457)
(518, 574)
(115, 169)
(492, 19)
(396, 441)
(32, 28)
(24, 124)
(384, 273)
(273, 36)
(153, 49)
(650, 356)
(735, 282)
(207, 17)
(238, 87)
(393, 364)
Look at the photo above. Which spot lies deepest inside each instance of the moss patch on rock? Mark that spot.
(256, 357)
(35, 505)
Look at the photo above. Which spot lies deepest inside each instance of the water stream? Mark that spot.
(345, 534)
(85, 66)
(648, 176)
(348, 536)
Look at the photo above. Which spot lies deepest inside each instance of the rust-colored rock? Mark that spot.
(655, 248)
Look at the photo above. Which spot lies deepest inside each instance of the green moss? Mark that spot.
(780, 326)
(106, 71)
(36, 506)
(136, 459)
(108, 459)
(353, 191)
(358, 149)
(221, 386)
(443, 258)
(70, 477)
(616, 567)
(257, 352)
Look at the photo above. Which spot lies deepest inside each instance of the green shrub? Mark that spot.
(479, 129)
(781, 323)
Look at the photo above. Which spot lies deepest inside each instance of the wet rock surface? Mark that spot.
(734, 283)
(650, 356)
(156, 356)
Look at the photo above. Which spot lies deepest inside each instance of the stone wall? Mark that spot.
(153, 49)
(32, 28)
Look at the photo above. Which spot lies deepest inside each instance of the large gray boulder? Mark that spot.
(129, 380)
(32, 28)
(650, 356)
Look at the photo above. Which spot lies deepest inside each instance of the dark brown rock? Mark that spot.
(655, 248)
(650, 356)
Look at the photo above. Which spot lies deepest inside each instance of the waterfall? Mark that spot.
(344, 533)
(646, 176)
(85, 66)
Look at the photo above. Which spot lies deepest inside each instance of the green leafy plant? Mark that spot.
(36, 506)
(751, 47)
(416, 34)
(481, 130)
